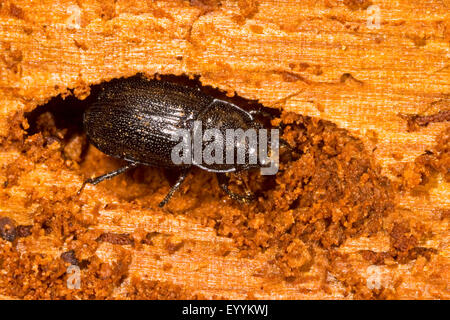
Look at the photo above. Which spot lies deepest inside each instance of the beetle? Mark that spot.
(135, 118)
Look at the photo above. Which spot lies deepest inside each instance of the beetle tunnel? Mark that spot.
(61, 120)
(328, 188)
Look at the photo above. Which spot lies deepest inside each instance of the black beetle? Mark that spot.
(134, 119)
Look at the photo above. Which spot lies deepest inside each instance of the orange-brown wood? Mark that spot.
(317, 58)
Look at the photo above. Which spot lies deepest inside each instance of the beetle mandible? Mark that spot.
(134, 119)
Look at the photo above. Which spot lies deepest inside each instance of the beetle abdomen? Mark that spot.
(135, 119)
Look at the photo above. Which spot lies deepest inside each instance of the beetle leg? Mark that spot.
(223, 183)
(107, 176)
(175, 187)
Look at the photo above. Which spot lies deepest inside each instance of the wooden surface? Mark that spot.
(316, 58)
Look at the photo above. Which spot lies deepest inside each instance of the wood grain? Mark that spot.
(316, 58)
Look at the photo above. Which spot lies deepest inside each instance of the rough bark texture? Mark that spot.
(382, 96)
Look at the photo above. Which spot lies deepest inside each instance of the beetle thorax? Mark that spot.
(228, 135)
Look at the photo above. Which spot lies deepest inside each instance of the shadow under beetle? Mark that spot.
(134, 119)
